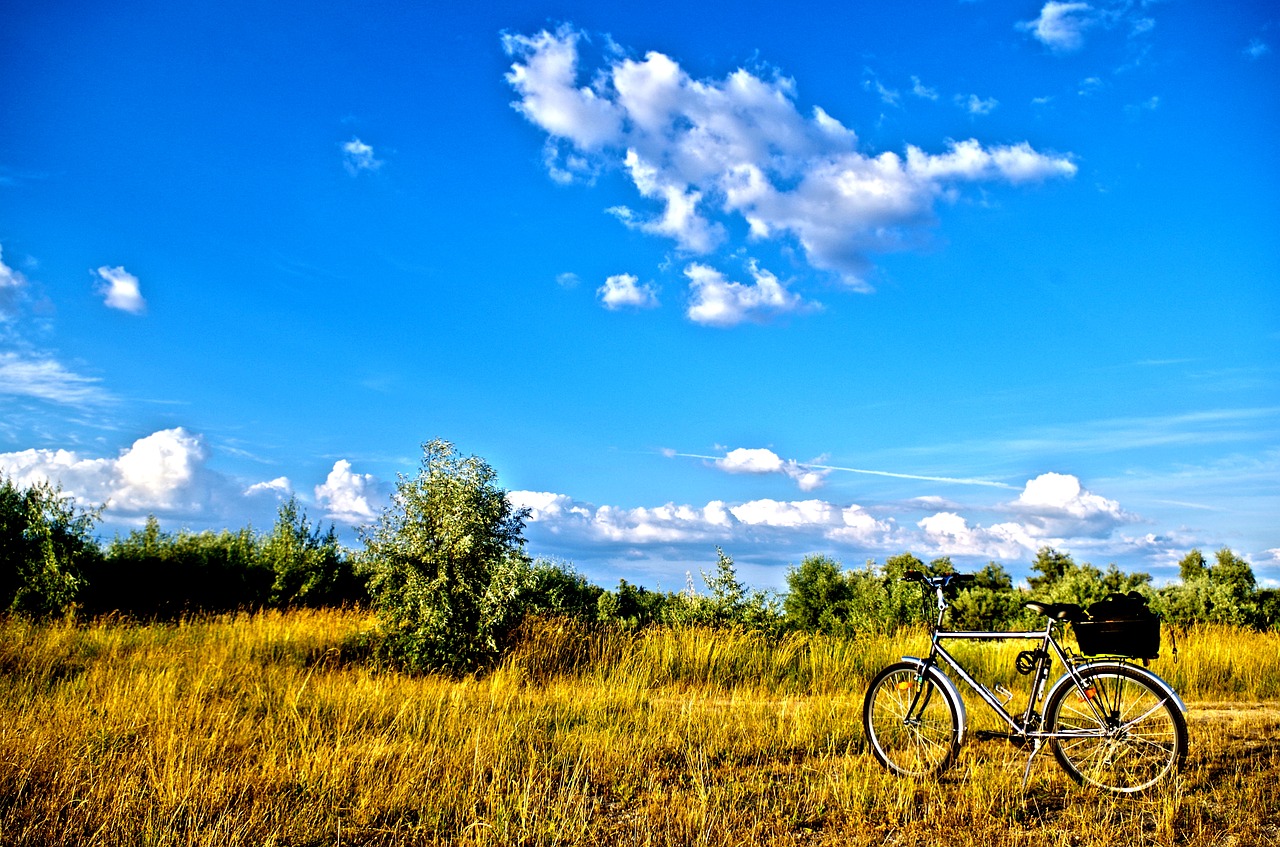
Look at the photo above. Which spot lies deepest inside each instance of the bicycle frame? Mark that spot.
(1028, 724)
(1125, 734)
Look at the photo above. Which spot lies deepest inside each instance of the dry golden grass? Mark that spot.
(255, 730)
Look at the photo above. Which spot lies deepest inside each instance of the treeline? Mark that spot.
(50, 562)
(446, 571)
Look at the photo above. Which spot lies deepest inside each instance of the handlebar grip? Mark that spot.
(912, 576)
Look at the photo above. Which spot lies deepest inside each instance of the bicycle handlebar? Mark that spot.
(946, 580)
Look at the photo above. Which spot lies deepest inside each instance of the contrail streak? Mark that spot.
(952, 480)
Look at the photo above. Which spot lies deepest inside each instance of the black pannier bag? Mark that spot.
(1120, 625)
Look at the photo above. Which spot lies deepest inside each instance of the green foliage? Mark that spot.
(46, 545)
(727, 604)
(631, 606)
(989, 603)
(1220, 593)
(819, 596)
(310, 567)
(154, 573)
(556, 589)
(1061, 580)
(446, 564)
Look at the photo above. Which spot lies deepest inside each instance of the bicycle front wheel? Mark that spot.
(911, 721)
(1119, 732)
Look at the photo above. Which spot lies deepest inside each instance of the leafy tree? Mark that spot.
(310, 566)
(1223, 592)
(818, 595)
(552, 588)
(989, 603)
(1051, 566)
(1193, 566)
(432, 559)
(633, 606)
(45, 547)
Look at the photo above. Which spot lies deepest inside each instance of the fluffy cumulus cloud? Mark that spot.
(572, 526)
(280, 488)
(624, 291)
(160, 473)
(1062, 27)
(704, 153)
(350, 498)
(1057, 505)
(1051, 509)
(717, 301)
(167, 474)
(120, 290)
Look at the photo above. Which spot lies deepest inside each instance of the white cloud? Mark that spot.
(350, 498)
(969, 161)
(1056, 505)
(976, 105)
(162, 472)
(1257, 49)
(709, 150)
(948, 534)
(716, 301)
(624, 291)
(549, 96)
(12, 284)
(358, 156)
(750, 460)
(761, 460)
(921, 90)
(44, 378)
(120, 290)
(1061, 26)
(574, 525)
(280, 487)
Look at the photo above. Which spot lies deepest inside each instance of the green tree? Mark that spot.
(819, 596)
(1051, 567)
(432, 559)
(1224, 592)
(989, 603)
(1193, 566)
(632, 606)
(310, 567)
(46, 544)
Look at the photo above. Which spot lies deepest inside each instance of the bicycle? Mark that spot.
(1110, 722)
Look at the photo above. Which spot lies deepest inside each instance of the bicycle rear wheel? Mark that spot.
(1124, 734)
(911, 721)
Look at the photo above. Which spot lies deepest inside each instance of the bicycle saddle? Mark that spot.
(1058, 611)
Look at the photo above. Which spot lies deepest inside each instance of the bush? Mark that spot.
(446, 564)
(45, 547)
(310, 567)
(152, 573)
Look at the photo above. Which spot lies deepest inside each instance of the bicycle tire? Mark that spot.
(1132, 736)
(920, 744)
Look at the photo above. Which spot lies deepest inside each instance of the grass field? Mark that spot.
(263, 729)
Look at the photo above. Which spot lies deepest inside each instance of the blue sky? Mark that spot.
(959, 278)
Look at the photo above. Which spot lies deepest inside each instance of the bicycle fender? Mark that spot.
(936, 674)
(1110, 664)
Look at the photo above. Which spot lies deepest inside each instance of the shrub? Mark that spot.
(446, 564)
(45, 546)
